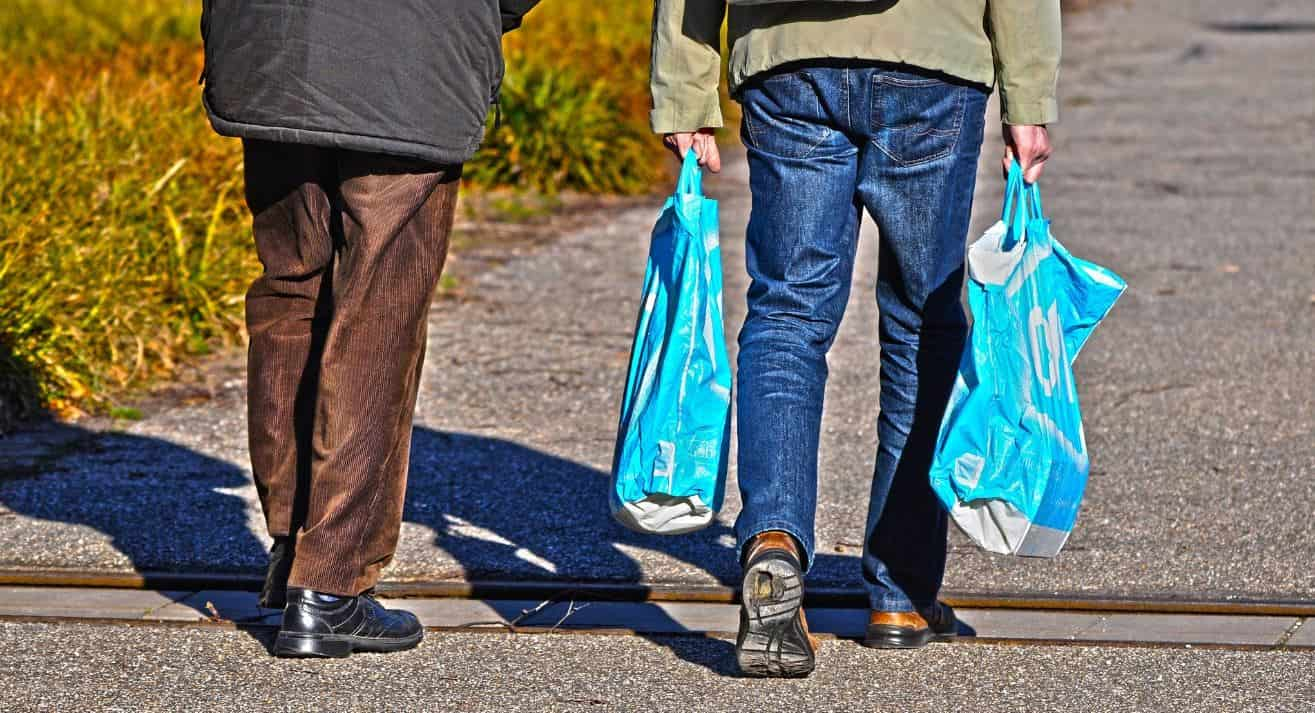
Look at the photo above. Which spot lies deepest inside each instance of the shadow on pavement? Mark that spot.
(508, 512)
(501, 510)
(164, 507)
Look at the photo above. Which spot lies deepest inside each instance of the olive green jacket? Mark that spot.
(1013, 44)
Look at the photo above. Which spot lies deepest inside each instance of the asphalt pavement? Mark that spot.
(1183, 162)
(140, 670)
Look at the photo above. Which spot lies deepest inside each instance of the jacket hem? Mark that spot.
(441, 155)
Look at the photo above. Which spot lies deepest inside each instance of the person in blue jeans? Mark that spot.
(851, 106)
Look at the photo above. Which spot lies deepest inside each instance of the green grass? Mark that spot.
(581, 123)
(560, 129)
(124, 245)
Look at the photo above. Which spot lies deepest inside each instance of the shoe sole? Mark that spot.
(337, 646)
(895, 637)
(772, 641)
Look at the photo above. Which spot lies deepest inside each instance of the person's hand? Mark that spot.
(1030, 146)
(704, 143)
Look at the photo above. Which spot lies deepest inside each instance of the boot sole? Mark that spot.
(338, 646)
(773, 641)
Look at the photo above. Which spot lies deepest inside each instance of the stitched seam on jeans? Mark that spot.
(748, 122)
(844, 152)
(900, 81)
(817, 112)
(826, 135)
(849, 120)
(875, 124)
(957, 132)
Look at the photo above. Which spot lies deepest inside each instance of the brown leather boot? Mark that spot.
(774, 639)
(910, 630)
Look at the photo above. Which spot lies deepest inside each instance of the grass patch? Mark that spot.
(126, 413)
(124, 242)
(575, 102)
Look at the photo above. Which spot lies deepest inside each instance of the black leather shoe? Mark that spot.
(326, 626)
(274, 595)
(911, 630)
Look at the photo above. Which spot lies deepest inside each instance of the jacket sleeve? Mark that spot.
(685, 71)
(513, 11)
(1025, 38)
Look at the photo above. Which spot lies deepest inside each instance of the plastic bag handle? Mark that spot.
(1022, 203)
(691, 176)
(1033, 193)
(1030, 192)
(1012, 185)
(1017, 206)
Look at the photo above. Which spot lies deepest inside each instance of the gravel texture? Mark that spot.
(124, 668)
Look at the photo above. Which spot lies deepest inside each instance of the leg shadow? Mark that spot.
(507, 512)
(124, 502)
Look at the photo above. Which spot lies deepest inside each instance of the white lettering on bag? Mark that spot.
(1044, 328)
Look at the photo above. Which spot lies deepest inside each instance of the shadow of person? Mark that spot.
(506, 512)
(161, 507)
(499, 510)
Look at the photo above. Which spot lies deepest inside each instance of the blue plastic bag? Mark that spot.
(1011, 459)
(669, 468)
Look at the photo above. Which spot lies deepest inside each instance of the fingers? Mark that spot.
(1032, 173)
(709, 155)
(703, 143)
(1007, 160)
(1030, 146)
(714, 157)
(679, 143)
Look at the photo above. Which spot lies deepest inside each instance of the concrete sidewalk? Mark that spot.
(1183, 162)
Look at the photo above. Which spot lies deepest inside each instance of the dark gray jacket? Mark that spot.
(404, 77)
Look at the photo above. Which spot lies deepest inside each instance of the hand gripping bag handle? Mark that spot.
(691, 176)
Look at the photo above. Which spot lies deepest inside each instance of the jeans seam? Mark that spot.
(748, 124)
(957, 131)
(825, 135)
(849, 120)
(817, 112)
(772, 154)
(888, 79)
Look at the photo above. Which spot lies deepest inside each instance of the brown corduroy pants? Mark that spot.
(352, 245)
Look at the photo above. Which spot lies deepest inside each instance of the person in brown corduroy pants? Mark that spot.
(356, 118)
(352, 244)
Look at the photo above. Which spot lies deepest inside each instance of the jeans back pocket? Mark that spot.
(783, 115)
(916, 119)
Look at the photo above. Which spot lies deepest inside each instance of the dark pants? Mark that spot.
(824, 143)
(352, 245)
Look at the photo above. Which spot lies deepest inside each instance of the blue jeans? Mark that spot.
(824, 142)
